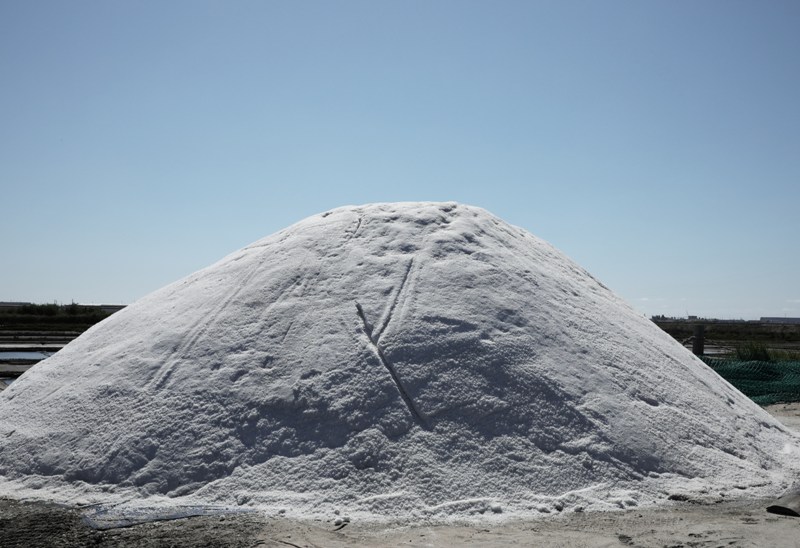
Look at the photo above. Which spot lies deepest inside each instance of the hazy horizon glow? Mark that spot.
(654, 143)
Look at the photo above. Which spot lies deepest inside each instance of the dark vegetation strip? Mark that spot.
(50, 317)
(731, 331)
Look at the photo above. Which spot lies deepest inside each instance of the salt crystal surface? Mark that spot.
(386, 361)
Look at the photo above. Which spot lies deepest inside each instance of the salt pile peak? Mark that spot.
(391, 360)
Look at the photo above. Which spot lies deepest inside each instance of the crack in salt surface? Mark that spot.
(355, 230)
(196, 332)
(396, 299)
(374, 343)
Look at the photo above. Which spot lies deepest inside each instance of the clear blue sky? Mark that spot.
(656, 143)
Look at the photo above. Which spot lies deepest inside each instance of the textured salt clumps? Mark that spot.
(390, 360)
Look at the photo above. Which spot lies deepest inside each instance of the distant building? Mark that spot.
(780, 320)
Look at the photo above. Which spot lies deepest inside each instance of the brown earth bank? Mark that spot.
(683, 524)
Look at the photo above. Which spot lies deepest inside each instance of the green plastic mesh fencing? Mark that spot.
(763, 382)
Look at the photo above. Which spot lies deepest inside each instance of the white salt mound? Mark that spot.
(390, 360)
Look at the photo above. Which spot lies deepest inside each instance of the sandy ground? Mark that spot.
(684, 524)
